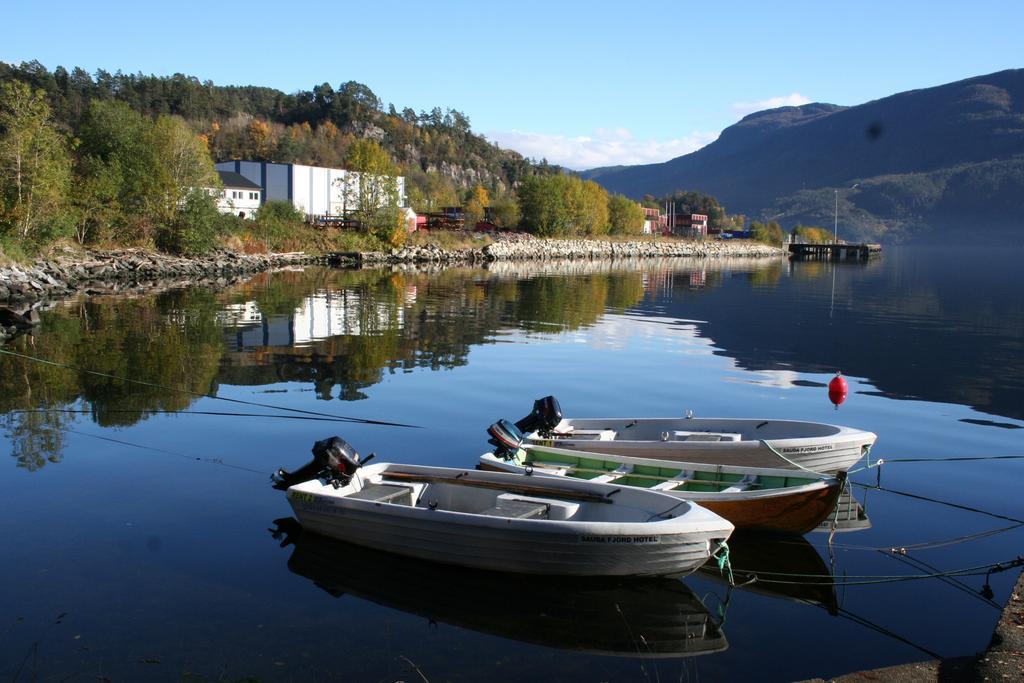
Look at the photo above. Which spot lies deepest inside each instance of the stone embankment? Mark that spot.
(69, 271)
(518, 247)
(96, 272)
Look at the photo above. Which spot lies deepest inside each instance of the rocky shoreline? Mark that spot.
(68, 272)
(519, 247)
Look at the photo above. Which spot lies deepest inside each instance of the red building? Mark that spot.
(691, 225)
(655, 222)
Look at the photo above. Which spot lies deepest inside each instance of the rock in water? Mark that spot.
(22, 321)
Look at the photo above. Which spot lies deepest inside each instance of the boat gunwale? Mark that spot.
(681, 464)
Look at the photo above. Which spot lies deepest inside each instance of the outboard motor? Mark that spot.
(544, 417)
(506, 439)
(333, 458)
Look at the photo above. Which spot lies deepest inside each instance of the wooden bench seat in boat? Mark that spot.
(384, 493)
(743, 484)
(675, 481)
(612, 476)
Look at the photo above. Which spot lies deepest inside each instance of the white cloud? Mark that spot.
(791, 100)
(605, 147)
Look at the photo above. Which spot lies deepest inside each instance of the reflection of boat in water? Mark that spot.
(779, 566)
(849, 515)
(637, 618)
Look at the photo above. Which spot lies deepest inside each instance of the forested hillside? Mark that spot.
(314, 126)
(933, 164)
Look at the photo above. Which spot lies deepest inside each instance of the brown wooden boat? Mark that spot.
(752, 498)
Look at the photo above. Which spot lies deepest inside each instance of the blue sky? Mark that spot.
(581, 83)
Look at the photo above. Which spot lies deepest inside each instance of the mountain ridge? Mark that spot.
(911, 155)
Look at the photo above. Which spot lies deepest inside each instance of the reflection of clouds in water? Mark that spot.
(779, 379)
(616, 331)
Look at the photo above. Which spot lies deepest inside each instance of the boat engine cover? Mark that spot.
(333, 457)
(506, 439)
(336, 454)
(544, 417)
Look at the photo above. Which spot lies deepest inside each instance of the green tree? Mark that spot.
(119, 137)
(34, 163)
(543, 205)
(377, 187)
(94, 199)
(563, 205)
(182, 164)
(505, 213)
(194, 228)
(770, 233)
(428, 191)
(590, 207)
(625, 216)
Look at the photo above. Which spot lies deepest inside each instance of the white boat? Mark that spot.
(507, 522)
(748, 442)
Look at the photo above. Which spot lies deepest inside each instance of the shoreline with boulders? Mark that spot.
(522, 247)
(67, 272)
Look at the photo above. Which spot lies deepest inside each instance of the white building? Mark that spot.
(315, 190)
(240, 195)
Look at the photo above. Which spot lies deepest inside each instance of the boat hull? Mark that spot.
(664, 547)
(795, 513)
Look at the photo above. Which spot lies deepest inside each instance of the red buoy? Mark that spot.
(837, 389)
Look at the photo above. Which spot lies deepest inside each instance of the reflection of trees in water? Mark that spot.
(408, 320)
(170, 340)
(174, 342)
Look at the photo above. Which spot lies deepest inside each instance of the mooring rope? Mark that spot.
(339, 418)
(958, 506)
(919, 564)
(871, 579)
(965, 458)
(194, 458)
(721, 556)
(158, 411)
(903, 548)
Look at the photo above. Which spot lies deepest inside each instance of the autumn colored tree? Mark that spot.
(260, 139)
(477, 201)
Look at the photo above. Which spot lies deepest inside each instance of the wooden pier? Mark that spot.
(834, 252)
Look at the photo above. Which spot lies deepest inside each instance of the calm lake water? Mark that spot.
(142, 542)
